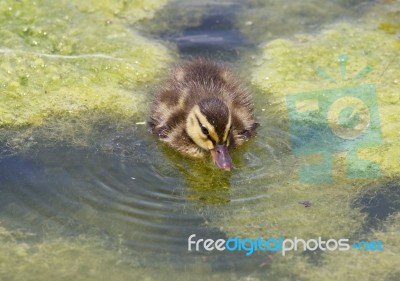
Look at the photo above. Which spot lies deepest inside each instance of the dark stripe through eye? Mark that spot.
(204, 130)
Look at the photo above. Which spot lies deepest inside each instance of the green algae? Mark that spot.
(129, 11)
(288, 67)
(174, 17)
(265, 20)
(285, 67)
(81, 59)
(69, 259)
(386, 17)
(281, 212)
(83, 257)
(348, 265)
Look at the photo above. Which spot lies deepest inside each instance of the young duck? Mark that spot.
(202, 107)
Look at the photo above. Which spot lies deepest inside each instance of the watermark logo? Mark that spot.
(278, 244)
(335, 120)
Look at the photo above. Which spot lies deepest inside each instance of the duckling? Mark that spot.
(202, 108)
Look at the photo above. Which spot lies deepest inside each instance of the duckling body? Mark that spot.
(202, 108)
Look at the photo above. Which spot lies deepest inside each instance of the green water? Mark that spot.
(86, 193)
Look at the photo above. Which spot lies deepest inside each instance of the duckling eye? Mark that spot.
(204, 130)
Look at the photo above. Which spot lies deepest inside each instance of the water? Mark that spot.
(123, 205)
(151, 208)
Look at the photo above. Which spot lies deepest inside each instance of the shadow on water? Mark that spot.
(207, 29)
(215, 36)
(379, 202)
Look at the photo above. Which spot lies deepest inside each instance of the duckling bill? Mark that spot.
(203, 109)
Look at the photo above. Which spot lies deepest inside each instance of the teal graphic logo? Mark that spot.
(335, 120)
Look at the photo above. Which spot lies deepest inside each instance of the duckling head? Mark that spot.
(209, 125)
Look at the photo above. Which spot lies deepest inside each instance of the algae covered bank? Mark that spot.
(86, 193)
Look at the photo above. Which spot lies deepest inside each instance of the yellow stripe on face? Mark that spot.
(227, 128)
(214, 136)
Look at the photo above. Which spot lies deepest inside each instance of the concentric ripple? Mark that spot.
(151, 207)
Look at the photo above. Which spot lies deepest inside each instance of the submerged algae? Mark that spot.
(266, 20)
(91, 256)
(78, 258)
(347, 265)
(63, 60)
(289, 67)
(129, 11)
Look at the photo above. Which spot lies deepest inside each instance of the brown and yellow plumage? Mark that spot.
(202, 107)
